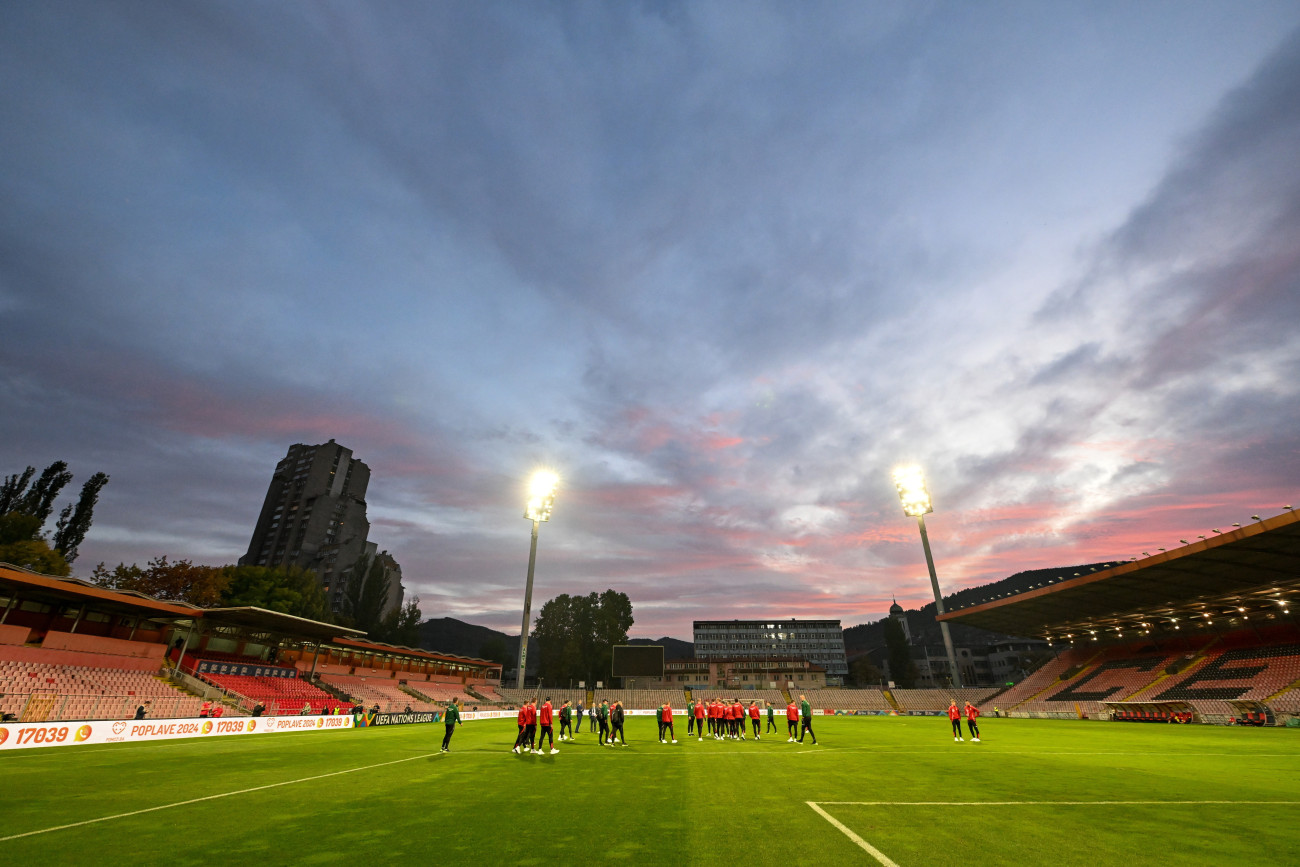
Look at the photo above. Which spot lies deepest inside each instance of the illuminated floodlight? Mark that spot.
(910, 482)
(541, 495)
(541, 499)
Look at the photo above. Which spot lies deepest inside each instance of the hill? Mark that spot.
(925, 629)
(449, 635)
(674, 648)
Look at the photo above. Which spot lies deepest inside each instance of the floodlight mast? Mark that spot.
(910, 482)
(541, 499)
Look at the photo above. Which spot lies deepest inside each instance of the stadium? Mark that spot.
(274, 739)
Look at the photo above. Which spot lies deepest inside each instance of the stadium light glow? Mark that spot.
(541, 500)
(541, 496)
(910, 482)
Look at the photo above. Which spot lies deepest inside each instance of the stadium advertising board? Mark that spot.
(17, 736)
(239, 669)
(397, 719)
(487, 714)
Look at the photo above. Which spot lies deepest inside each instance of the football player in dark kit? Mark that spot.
(805, 711)
(451, 716)
(616, 724)
(771, 719)
(566, 721)
(602, 717)
(522, 719)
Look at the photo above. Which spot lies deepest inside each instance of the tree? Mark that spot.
(494, 650)
(612, 616)
(576, 635)
(181, 581)
(20, 496)
(288, 589)
(557, 637)
(21, 545)
(863, 672)
(74, 522)
(402, 626)
(38, 500)
(11, 491)
(902, 671)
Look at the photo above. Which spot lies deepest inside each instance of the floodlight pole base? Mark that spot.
(938, 604)
(528, 604)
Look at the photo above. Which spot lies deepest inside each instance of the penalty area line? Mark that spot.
(212, 797)
(880, 857)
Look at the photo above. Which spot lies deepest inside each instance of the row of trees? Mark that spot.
(576, 635)
(26, 506)
(287, 589)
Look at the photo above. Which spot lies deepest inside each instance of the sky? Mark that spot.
(720, 265)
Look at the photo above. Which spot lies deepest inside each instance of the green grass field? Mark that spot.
(1034, 792)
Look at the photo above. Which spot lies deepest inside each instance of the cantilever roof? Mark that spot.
(1255, 567)
(402, 650)
(55, 588)
(252, 617)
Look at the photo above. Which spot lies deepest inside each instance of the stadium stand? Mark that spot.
(192, 660)
(1204, 672)
(644, 699)
(845, 699)
(383, 691)
(40, 691)
(775, 696)
(937, 699)
(441, 692)
(280, 695)
(487, 689)
(516, 697)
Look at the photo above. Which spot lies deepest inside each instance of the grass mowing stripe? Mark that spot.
(881, 857)
(213, 797)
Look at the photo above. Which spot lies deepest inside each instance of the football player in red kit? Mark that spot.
(972, 714)
(699, 720)
(522, 718)
(667, 720)
(792, 720)
(954, 714)
(753, 717)
(544, 721)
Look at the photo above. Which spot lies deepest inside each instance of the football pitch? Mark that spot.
(887, 790)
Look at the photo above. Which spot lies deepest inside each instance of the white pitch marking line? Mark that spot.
(212, 798)
(885, 860)
(1038, 803)
(880, 857)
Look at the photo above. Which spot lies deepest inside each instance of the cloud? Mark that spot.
(722, 266)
